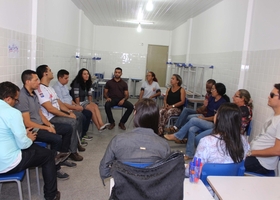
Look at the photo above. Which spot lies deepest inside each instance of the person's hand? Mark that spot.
(72, 115)
(121, 102)
(205, 102)
(108, 100)
(51, 129)
(200, 117)
(32, 136)
(79, 108)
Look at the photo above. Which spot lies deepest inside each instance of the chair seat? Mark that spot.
(15, 176)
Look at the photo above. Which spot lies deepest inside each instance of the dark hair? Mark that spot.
(247, 97)
(41, 70)
(8, 89)
(221, 90)
(118, 68)
(277, 86)
(178, 78)
(228, 125)
(79, 79)
(61, 73)
(27, 75)
(154, 76)
(147, 114)
(211, 81)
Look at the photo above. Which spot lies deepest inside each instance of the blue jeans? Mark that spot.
(201, 135)
(189, 129)
(184, 117)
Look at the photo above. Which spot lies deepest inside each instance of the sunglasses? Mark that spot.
(272, 95)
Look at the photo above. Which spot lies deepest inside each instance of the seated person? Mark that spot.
(82, 95)
(201, 122)
(187, 113)
(174, 101)
(150, 88)
(141, 145)
(116, 94)
(58, 135)
(17, 149)
(225, 144)
(56, 112)
(63, 94)
(265, 147)
(242, 99)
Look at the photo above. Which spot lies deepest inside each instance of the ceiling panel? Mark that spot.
(166, 15)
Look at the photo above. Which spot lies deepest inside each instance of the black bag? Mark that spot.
(162, 180)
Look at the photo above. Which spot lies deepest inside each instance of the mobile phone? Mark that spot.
(34, 130)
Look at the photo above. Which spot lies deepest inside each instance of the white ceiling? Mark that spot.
(166, 15)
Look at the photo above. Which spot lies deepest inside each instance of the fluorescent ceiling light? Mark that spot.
(136, 22)
(149, 6)
(139, 29)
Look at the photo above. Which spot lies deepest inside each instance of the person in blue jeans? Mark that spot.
(188, 113)
(201, 123)
(242, 99)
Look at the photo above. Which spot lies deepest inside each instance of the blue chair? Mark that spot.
(17, 177)
(173, 118)
(221, 169)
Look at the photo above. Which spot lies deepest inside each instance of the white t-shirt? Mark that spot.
(149, 90)
(45, 94)
(266, 139)
(213, 150)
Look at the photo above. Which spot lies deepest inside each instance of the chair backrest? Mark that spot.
(186, 102)
(221, 169)
(161, 180)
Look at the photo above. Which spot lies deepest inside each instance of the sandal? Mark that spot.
(183, 141)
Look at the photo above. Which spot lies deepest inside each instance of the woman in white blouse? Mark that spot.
(150, 88)
(225, 144)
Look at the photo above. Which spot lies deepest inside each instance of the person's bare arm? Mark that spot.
(106, 95)
(51, 109)
(272, 151)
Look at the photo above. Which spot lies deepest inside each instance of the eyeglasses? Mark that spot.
(272, 95)
(213, 89)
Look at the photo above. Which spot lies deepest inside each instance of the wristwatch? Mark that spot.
(249, 153)
(173, 106)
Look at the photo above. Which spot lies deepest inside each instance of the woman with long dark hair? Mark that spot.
(150, 88)
(82, 94)
(142, 144)
(225, 144)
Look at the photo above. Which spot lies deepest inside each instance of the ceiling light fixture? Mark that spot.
(136, 22)
(139, 28)
(149, 6)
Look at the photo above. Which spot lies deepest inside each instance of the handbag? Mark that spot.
(162, 180)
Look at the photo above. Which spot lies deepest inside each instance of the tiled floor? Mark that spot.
(84, 182)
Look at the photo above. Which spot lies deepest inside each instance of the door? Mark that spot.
(156, 62)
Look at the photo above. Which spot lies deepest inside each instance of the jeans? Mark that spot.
(184, 117)
(114, 102)
(59, 141)
(189, 129)
(37, 156)
(201, 135)
(253, 165)
(76, 126)
(86, 121)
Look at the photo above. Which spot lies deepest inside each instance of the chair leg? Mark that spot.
(19, 189)
(78, 138)
(38, 180)
(28, 183)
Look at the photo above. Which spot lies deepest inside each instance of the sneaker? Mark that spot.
(88, 138)
(62, 175)
(84, 143)
(68, 164)
(60, 157)
(76, 157)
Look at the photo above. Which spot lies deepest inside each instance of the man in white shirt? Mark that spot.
(55, 111)
(265, 147)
